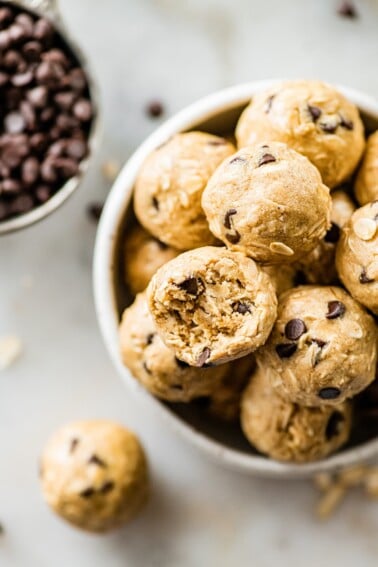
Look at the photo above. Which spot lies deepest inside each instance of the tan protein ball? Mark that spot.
(311, 117)
(268, 202)
(94, 474)
(286, 431)
(143, 255)
(366, 188)
(357, 256)
(154, 365)
(323, 347)
(212, 305)
(319, 266)
(282, 276)
(169, 187)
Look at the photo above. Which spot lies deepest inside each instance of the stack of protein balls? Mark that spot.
(256, 275)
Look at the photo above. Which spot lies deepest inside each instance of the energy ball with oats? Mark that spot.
(154, 365)
(268, 202)
(357, 256)
(311, 117)
(323, 347)
(319, 266)
(282, 276)
(94, 474)
(169, 187)
(286, 431)
(143, 255)
(212, 305)
(366, 188)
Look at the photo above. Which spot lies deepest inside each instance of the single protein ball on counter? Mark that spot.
(323, 347)
(143, 255)
(357, 256)
(212, 305)
(154, 365)
(286, 431)
(283, 276)
(268, 202)
(311, 117)
(94, 474)
(319, 266)
(169, 187)
(366, 186)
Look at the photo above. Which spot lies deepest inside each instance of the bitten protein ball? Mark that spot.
(311, 117)
(143, 255)
(366, 188)
(212, 305)
(288, 432)
(94, 475)
(169, 187)
(319, 266)
(155, 366)
(268, 202)
(323, 347)
(357, 256)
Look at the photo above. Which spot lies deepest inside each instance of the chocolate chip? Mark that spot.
(30, 171)
(364, 278)
(49, 74)
(150, 338)
(181, 363)
(38, 96)
(5, 39)
(6, 16)
(294, 329)
(107, 487)
(314, 111)
(87, 493)
(204, 356)
(154, 109)
(74, 443)
(347, 10)
(266, 158)
(329, 393)
(146, 368)
(319, 342)
(22, 204)
(11, 186)
(233, 238)
(155, 203)
(333, 425)
(32, 51)
(335, 309)
(238, 159)
(43, 29)
(65, 100)
(286, 350)
(268, 103)
(17, 33)
(4, 78)
(333, 234)
(26, 22)
(161, 245)
(190, 285)
(83, 110)
(95, 460)
(219, 142)
(241, 307)
(328, 127)
(346, 123)
(14, 123)
(94, 211)
(227, 218)
(42, 193)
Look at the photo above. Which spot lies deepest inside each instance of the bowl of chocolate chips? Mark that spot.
(49, 113)
(236, 276)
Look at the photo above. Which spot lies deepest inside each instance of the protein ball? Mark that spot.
(323, 346)
(154, 365)
(286, 431)
(311, 117)
(212, 305)
(357, 256)
(169, 187)
(94, 475)
(268, 202)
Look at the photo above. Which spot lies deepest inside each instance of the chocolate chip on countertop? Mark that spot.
(146, 368)
(314, 111)
(190, 285)
(286, 350)
(241, 307)
(266, 158)
(227, 218)
(335, 309)
(329, 393)
(333, 426)
(204, 356)
(94, 211)
(347, 9)
(95, 460)
(155, 109)
(294, 329)
(333, 233)
(364, 278)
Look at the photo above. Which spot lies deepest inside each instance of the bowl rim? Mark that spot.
(105, 304)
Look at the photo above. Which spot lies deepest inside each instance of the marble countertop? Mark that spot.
(199, 515)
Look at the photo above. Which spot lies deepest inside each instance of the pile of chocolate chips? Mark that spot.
(45, 115)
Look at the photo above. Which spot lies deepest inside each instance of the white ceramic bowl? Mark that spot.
(216, 113)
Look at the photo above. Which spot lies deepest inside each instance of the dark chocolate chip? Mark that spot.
(155, 203)
(43, 193)
(266, 158)
(190, 285)
(22, 79)
(347, 9)
(155, 109)
(6, 16)
(335, 309)
(227, 218)
(333, 425)
(107, 487)
(30, 171)
(181, 363)
(38, 96)
(22, 204)
(219, 142)
(87, 492)
(74, 443)
(294, 329)
(233, 238)
(14, 123)
(241, 307)
(4, 78)
(314, 111)
(82, 110)
(346, 123)
(43, 29)
(333, 234)
(65, 100)
(95, 460)
(238, 159)
(94, 211)
(328, 127)
(11, 186)
(286, 350)
(146, 368)
(150, 338)
(319, 342)
(204, 356)
(32, 51)
(329, 393)
(161, 245)
(268, 103)
(364, 278)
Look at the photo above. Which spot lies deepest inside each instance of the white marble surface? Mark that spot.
(174, 50)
